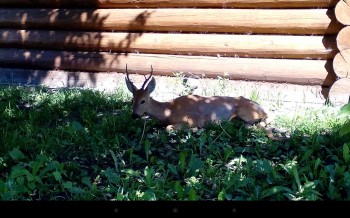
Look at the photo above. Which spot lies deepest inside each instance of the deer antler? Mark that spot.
(147, 79)
(129, 84)
(127, 73)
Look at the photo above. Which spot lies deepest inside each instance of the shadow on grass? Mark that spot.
(83, 145)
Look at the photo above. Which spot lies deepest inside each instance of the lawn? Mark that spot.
(74, 144)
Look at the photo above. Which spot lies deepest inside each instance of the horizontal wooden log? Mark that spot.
(341, 66)
(171, 3)
(316, 72)
(340, 91)
(343, 43)
(342, 12)
(277, 21)
(266, 46)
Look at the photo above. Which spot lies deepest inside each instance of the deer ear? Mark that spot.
(132, 88)
(151, 85)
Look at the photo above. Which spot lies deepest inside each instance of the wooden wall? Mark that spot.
(286, 41)
(340, 90)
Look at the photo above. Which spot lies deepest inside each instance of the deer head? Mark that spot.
(141, 97)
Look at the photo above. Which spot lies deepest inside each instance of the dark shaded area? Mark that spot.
(329, 80)
(334, 24)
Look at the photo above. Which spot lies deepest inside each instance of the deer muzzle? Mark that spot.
(134, 116)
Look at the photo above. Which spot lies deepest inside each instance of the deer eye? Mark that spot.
(142, 102)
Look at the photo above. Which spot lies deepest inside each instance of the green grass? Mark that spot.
(82, 145)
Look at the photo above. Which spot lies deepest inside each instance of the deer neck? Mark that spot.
(159, 110)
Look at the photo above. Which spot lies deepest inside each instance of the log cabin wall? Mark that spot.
(340, 90)
(285, 41)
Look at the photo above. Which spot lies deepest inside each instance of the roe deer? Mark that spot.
(194, 110)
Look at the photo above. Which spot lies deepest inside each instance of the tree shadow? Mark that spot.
(168, 4)
(34, 41)
(138, 23)
(59, 23)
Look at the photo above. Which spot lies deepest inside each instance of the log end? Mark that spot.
(343, 39)
(342, 12)
(339, 93)
(341, 66)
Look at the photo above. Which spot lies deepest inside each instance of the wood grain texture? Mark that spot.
(343, 43)
(340, 91)
(171, 3)
(263, 46)
(271, 21)
(316, 72)
(342, 12)
(341, 66)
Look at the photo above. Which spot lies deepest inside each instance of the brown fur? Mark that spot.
(196, 111)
